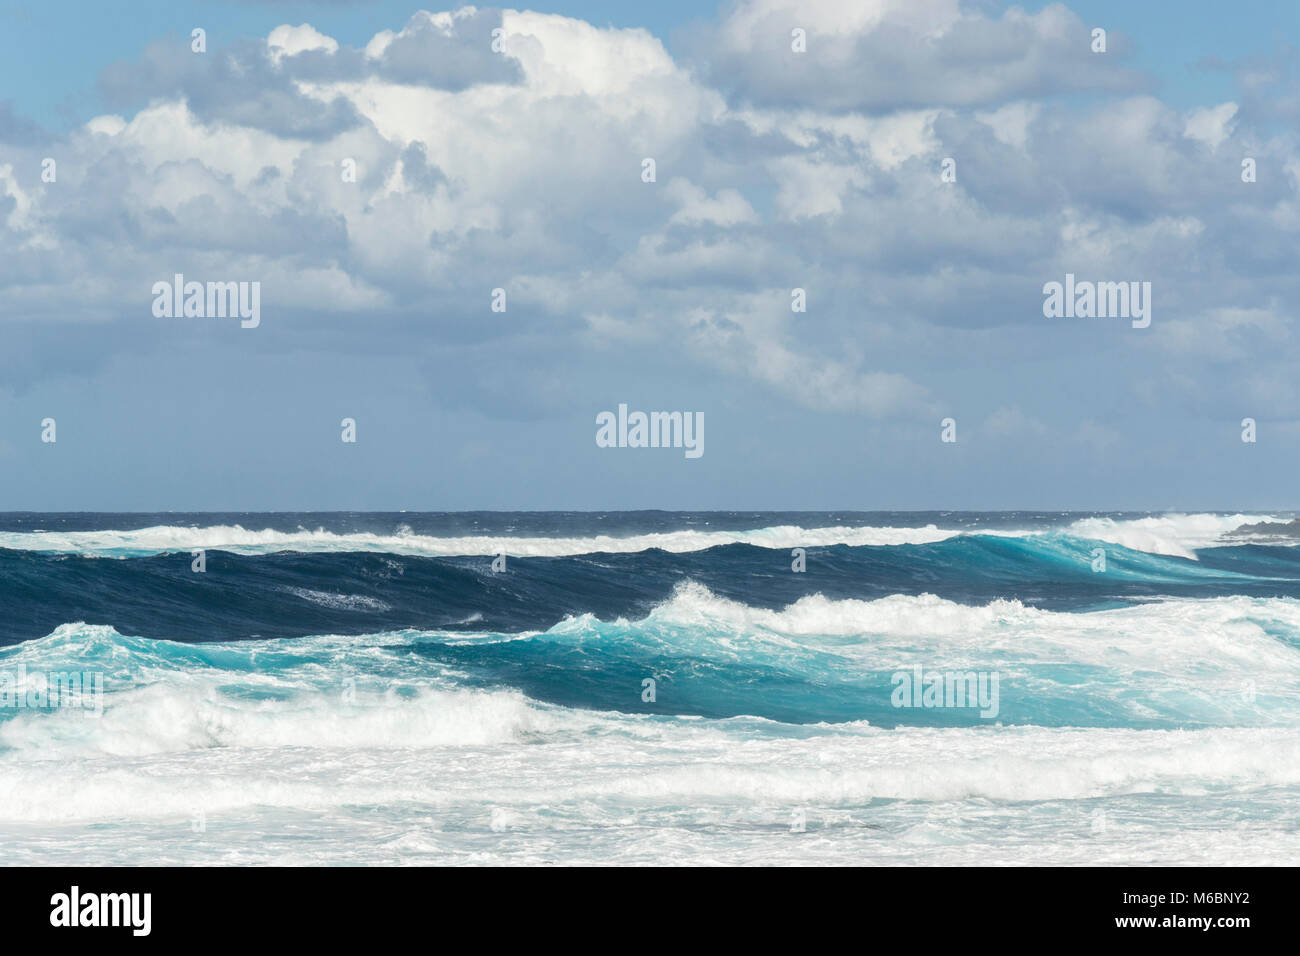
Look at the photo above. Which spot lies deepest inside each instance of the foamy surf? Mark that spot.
(666, 791)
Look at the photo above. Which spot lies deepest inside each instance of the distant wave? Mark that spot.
(165, 539)
(1173, 534)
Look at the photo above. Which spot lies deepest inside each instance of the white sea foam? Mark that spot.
(706, 789)
(186, 714)
(345, 602)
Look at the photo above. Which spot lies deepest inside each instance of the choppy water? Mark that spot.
(365, 688)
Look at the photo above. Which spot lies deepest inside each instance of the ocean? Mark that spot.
(650, 688)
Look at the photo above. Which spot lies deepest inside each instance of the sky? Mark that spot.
(127, 157)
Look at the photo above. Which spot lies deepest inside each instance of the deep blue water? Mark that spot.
(144, 588)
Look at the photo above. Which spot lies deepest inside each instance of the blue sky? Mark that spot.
(522, 170)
